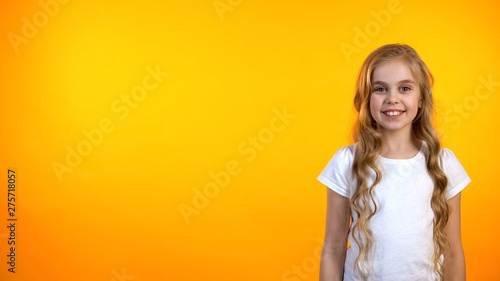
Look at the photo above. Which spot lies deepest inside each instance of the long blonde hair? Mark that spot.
(370, 146)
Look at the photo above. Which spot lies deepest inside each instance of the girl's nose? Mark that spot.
(393, 100)
(392, 97)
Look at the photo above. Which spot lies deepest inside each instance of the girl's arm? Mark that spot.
(333, 254)
(454, 261)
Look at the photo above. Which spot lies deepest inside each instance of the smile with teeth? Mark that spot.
(393, 113)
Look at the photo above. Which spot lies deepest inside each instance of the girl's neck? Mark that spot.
(400, 147)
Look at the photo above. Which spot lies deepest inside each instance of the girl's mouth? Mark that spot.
(393, 114)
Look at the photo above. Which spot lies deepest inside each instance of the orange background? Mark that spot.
(233, 67)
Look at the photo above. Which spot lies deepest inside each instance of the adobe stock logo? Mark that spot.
(309, 265)
(221, 179)
(223, 6)
(471, 103)
(123, 276)
(372, 28)
(121, 106)
(40, 18)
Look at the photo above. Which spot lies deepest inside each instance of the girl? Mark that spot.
(401, 189)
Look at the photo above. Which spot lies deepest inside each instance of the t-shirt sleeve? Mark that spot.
(458, 178)
(337, 172)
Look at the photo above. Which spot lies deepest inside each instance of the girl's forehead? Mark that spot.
(392, 72)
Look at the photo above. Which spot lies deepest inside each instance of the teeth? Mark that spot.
(391, 113)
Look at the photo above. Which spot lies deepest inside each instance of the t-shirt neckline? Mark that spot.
(392, 160)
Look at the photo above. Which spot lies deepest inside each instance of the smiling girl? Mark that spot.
(398, 186)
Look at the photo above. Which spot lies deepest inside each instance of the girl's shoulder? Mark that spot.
(456, 174)
(337, 173)
(347, 152)
(446, 155)
(447, 158)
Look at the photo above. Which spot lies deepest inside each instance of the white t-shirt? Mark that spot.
(402, 226)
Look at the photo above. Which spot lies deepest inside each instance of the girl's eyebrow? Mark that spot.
(408, 81)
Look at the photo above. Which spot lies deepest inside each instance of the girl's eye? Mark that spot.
(404, 88)
(379, 89)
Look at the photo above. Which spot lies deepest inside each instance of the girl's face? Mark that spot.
(395, 99)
